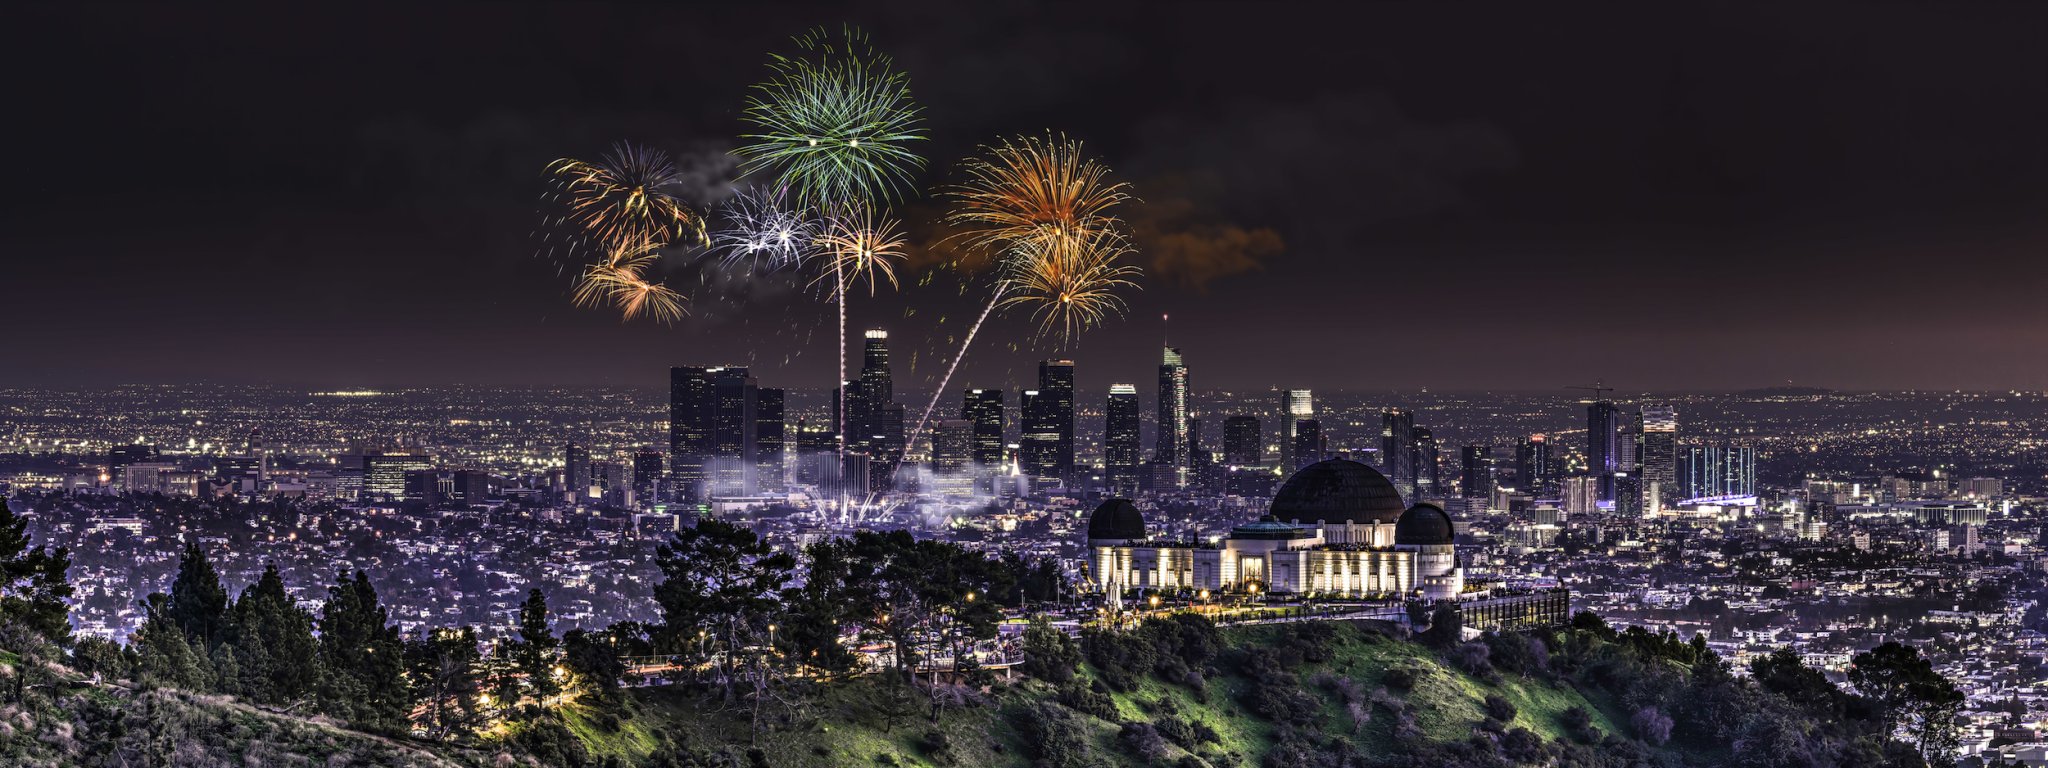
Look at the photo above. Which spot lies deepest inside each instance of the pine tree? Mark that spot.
(33, 587)
(536, 650)
(362, 659)
(164, 655)
(198, 603)
(444, 669)
(274, 645)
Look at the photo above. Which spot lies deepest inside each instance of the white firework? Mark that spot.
(761, 233)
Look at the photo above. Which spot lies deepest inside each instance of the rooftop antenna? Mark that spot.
(1165, 330)
(1599, 390)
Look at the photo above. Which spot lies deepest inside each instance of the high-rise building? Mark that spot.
(1172, 445)
(1242, 441)
(984, 407)
(647, 477)
(1309, 444)
(733, 435)
(1478, 466)
(1038, 445)
(1120, 442)
(384, 473)
(952, 447)
(1603, 445)
(1056, 405)
(1295, 405)
(691, 407)
(1716, 469)
(1581, 495)
(1658, 455)
(1532, 465)
(120, 456)
(576, 470)
(715, 423)
(1423, 457)
(770, 439)
(1397, 448)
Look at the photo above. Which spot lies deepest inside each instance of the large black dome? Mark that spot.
(1116, 519)
(1424, 525)
(1338, 491)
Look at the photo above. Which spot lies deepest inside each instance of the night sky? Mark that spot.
(1444, 195)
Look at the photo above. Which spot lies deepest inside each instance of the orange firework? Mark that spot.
(857, 244)
(621, 280)
(1032, 188)
(1070, 280)
(632, 192)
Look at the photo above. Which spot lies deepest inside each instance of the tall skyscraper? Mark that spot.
(1423, 457)
(1242, 442)
(733, 431)
(1309, 443)
(1172, 445)
(1120, 440)
(1659, 456)
(1056, 390)
(714, 431)
(984, 407)
(1295, 405)
(1603, 445)
(770, 439)
(952, 447)
(1397, 448)
(1478, 466)
(646, 477)
(691, 407)
(576, 470)
(1532, 465)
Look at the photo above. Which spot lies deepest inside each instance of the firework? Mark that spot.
(621, 280)
(1030, 189)
(630, 193)
(860, 244)
(833, 123)
(762, 233)
(1069, 281)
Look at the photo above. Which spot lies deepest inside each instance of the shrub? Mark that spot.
(1400, 679)
(1049, 654)
(1651, 725)
(1499, 708)
(1142, 741)
(1057, 738)
(1088, 700)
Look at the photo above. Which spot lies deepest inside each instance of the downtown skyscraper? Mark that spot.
(1657, 451)
(716, 420)
(1048, 439)
(984, 407)
(1120, 443)
(1242, 441)
(1397, 448)
(1295, 405)
(1603, 446)
(1172, 447)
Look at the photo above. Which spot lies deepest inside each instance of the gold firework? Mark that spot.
(1069, 280)
(1032, 188)
(621, 280)
(860, 244)
(630, 193)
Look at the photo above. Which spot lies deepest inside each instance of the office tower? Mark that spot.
(1197, 455)
(1716, 469)
(733, 436)
(384, 473)
(770, 439)
(1581, 495)
(1478, 465)
(1039, 442)
(1424, 458)
(1172, 444)
(874, 422)
(1295, 405)
(952, 447)
(690, 410)
(1309, 445)
(472, 487)
(1241, 441)
(576, 470)
(1120, 444)
(1659, 456)
(1532, 465)
(1397, 448)
(817, 455)
(1056, 412)
(1603, 445)
(984, 407)
(120, 456)
(647, 477)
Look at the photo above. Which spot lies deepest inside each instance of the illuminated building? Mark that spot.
(1120, 440)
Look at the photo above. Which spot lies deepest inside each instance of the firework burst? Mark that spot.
(1029, 189)
(630, 194)
(761, 233)
(834, 122)
(860, 244)
(1069, 281)
(621, 281)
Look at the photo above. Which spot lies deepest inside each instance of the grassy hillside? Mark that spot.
(848, 723)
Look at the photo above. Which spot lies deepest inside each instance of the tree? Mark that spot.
(443, 666)
(164, 655)
(274, 649)
(198, 603)
(33, 587)
(593, 662)
(1049, 654)
(536, 650)
(1908, 692)
(362, 658)
(720, 585)
(1781, 672)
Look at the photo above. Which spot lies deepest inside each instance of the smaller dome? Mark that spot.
(1116, 519)
(1424, 525)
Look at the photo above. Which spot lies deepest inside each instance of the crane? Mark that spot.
(1599, 390)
